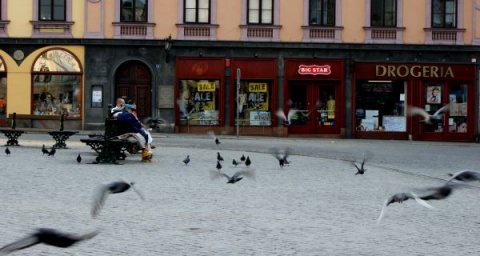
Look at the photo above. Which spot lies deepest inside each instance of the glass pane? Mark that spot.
(59, 2)
(253, 103)
(56, 94)
(437, 6)
(3, 96)
(450, 20)
(326, 106)
(45, 13)
(190, 4)
(140, 14)
(266, 17)
(254, 4)
(390, 20)
(203, 16)
(457, 121)
(267, 4)
(376, 13)
(199, 102)
(253, 16)
(190, 15)
(314, 13)
(437, 20)
(59, 13)
(203, 4)
(140, 3)
(434, 102)
(450, 6)
(298, 98)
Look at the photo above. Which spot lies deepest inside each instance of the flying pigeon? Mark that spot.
(7, 151)
(186, 160)
(465, 176)
(47, 236)
(182, 105)
(361, 170)
(44, 150)
(236, 177)
(242, 158)
(286, 118)
(219, 157)
(428, 119)
(400, 198)
(52, 152)
(219, 166)
(248, 162)
(112, 188)
(282, 160)
(212, 134)
(235, 163)
(79, 158)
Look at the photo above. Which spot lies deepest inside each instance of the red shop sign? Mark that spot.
(314, 70)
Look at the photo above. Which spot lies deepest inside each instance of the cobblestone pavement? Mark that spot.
(316, 206)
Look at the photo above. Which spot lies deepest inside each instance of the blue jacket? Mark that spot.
(132, 123)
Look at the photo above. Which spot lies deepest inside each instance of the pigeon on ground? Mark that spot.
(465, 176)
(428, 119)
(112, 188)
(282, 160)
(47, 236)
(236, 177)
(361, 170)
(219, 166)
(287, 119)
(235, 163)
(7, 151)
(186, 160)
(400, 198)
(44, 150)
(79, 159)
(212, 135)
(248, 162)
(52, 152)
(219, 157)
(242, 158)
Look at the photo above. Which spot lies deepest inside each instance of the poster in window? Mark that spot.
(434, 95)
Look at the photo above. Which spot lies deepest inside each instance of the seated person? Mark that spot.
(133, 124)
(118, 107)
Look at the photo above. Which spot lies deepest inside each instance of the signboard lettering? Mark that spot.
(257, 87)
(206, 86)
(414, 71)
(314, 70)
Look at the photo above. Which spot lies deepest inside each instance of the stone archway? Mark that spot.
(133, 81)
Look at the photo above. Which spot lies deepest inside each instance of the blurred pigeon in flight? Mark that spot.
(44, 150)
(361, 170)
(212, 135)
(287, 119)
(49, 237)
(428, 119)
(235, 177)
(282, 159)
(400, 198)
(182, 105)
(111, 188)
(465, 176)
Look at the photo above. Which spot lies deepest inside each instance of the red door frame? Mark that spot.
(336, 76)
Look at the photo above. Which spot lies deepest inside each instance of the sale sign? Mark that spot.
(314, 70)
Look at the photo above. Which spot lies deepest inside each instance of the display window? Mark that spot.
(56, 79)
(3, 92)
(253, 103)
(199, 102)
(380, 106)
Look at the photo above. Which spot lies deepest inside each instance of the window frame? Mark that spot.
(196, 12)
(444, 14)
(134, 8)
(260, 9)
(384, 12)
(52, 6)
(321, 3)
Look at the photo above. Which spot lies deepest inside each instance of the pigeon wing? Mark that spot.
(291, 112)
(421, 202)
(384, 208)
(414, 111)
(281, 114)
(20, 244)
(138, 192)
(182, 106)
(99, 200)
(247, 173)
(475, 175)
(441, 110)
(216, 175)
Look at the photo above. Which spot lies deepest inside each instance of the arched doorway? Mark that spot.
(133, 81)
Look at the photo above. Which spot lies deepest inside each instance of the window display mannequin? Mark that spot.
(331, 107)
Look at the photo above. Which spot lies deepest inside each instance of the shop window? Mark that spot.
(56, 80)
(3, 93)
(444, 13)
(380, 106)
(197, 11)
(458, 105)
(254, 103)
(199, 102)
(322, 12)
(260, 11)
(133, 11)
(383, 13)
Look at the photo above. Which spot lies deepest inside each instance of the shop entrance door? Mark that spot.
(454, 123)
(316, 105)
(133, 82)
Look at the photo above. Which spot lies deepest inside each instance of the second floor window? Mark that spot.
(384, 13)
(260, 11)
(52, 10)
(133, 11)
(444, 13)
(197, 11)
(322, 12)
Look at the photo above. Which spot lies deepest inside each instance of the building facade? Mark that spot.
(341, 68)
